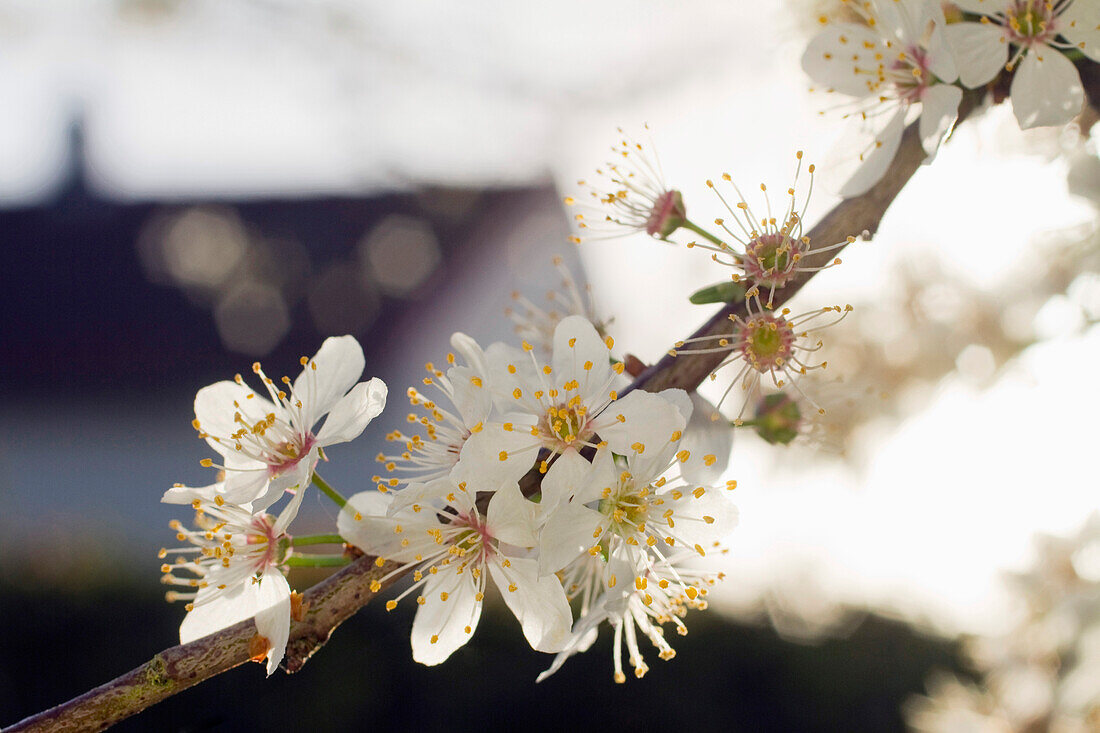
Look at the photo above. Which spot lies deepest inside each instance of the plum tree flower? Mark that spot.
(894, 62)
(563, 406)
(445, 430)
(634, 198)
(661, 594)
(769, 250)
(1027, 36)
(269, 445)
(232, 569)
(637, 509)
(536, 324)
(453, 550)
(765, 343)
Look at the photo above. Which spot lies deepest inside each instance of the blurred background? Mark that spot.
(188, 186)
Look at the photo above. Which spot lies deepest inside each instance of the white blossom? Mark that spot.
(562, 406)
(453, 550)
(893, 62)
(445, 430)
(232, 569)
(269, 445)
(1028, 37)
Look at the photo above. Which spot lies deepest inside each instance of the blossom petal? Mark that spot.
(939, 110)
(566, 476)
(496, 456)
(835, 55)
(580, 354)
(273, 620)
(878, 151)
(470, 394)
(445, 621)
(373, 531)
(244, 486)
(539, 603)
(640, 418)
(188, 494)
(981, 6)
(568, 533)
(705, 437)
(1080, 24)
(940, 57)
(331, 372)
(511, 518)
(980, 51)
(471, 352)
(1046, 89)
(217, 407)
(353, 412)
(214, 610)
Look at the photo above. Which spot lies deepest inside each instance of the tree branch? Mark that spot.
(328, 603)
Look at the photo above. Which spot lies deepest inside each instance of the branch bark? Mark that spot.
(335, 599)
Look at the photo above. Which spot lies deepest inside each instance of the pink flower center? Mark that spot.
(288, 454)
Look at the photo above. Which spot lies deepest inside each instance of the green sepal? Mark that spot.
(726, 291)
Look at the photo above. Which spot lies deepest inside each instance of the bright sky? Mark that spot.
(270, 96)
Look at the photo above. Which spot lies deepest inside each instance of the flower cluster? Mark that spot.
(233, 562)
(902, 60)
(562, 489)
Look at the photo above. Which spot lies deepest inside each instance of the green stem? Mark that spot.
(317, 561)
(688, 224)
(329, 491)
(317, 539)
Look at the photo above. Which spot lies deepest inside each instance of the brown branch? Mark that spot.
(336, 598)
(330, 602)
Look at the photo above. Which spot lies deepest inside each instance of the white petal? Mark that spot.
(242, 487)
(577, 345)
(604, 476)
(511, 518)
(583, 636)
(480, 462)
(982, 6)
(706, 437)
(568, 474)
(373, 532)
(187, 494)
(273, 620)
(539, 603)
(424, 494)
(711, 504)
(289, 512)
(216, 412)
(833, 55)
(232, 606)
(297, 478)
(473, 354)
(639, 418)
(1046, 89)
(1080, 24)
(567, 534)
(353, 412)
(941, 57)
(329, 374)
(472, 400)
(980, 51)
(879, 149)
(446, 621)
(939, 110)
(684, 403)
